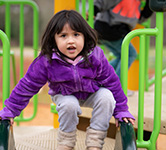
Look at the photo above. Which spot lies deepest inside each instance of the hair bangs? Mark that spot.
(60, 24)
(75, 26)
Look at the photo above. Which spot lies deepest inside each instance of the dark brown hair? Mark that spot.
(77, 23)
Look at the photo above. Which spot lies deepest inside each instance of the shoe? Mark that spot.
(130, 93)
(93, 148)
(63, 147)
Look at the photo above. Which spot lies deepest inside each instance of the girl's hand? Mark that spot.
(129, 119)
(117, 122)
(11, 121)
(125, 120)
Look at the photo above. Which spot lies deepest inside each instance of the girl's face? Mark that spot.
(69, 42)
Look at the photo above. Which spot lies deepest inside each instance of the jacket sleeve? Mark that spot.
(145, 13)
(107, 78)
(28, 86)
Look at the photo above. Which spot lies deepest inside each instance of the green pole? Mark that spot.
(7, 21)
(35, 38)
(91, 13)
(158, 79)
(77, 5)
(141, 87)
(6, 66)
(124, 54)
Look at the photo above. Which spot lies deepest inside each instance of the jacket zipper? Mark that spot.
(77, 79)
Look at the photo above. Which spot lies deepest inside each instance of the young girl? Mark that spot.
(78, 74)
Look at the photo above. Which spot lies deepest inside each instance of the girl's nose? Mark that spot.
(70, 40)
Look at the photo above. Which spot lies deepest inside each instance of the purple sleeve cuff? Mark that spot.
(121, 115)
(5, 114)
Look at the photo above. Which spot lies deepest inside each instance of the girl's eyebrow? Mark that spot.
(62, 33)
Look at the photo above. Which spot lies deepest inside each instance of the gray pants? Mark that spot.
(68, 108)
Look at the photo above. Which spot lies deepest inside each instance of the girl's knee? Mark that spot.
(68, 104)
(106, 97)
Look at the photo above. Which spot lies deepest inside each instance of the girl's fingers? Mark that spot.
(131, 120)
(116, 122)
(125, 120)
(11, 121)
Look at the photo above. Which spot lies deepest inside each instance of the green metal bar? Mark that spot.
(35, 40)
(147, 63)
(21, 40)
(158, 32)
(91, 13)
(124, 56)
(7, 21)
(164, 73)
(149, 82)
(6, 66)
(158, 79)
(84, 9)
(147, 25)
(14, 67)
(35, 29)
(141, 87)
(35, 47)
(21, 37)
(77, 5)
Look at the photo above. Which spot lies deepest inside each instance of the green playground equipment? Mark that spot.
(13, 65)
(142, 33)
(6, 133)
(33, 5)
(6, 66)
(83, 10)
(144, 81)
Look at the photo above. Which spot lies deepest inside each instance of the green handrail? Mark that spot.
(6, 66)
(34, 6)
(13, 65)
(142, 33)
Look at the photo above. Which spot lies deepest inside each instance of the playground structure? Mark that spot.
(158, 32)
(21, 3)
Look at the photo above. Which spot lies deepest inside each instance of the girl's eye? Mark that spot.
(63, 35)
(76, 34)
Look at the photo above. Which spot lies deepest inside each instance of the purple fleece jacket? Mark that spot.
(79, 80)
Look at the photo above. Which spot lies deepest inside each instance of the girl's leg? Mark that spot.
(103, 105)
(132, 57)
(132, 54)
(68, 110)
(115, 48)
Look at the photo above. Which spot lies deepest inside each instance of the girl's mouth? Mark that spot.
(71, 48)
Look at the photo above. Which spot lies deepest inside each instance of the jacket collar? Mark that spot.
(56, 55)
